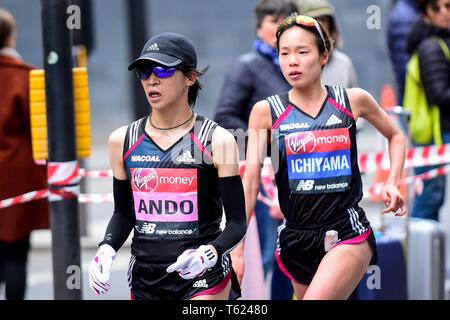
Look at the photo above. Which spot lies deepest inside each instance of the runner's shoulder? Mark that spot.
(222, 136)
(357, 96)
(117, 137)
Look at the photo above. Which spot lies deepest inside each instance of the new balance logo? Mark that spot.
(186, 157)
(200, 284)
(148, 228)
(333, 120)
(153, 47)
(305, 185)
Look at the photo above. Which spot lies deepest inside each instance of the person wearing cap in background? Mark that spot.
(254, 76)
(19, 173)
(339, 71)
(175, 172)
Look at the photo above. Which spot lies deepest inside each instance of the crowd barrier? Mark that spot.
(66, 173)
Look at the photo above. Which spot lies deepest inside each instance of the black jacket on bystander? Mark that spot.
(434, 67)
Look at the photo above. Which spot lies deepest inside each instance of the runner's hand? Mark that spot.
(100, 267)
(193, 263)
(393, 200)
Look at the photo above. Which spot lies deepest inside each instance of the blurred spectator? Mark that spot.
(435, 76)
(401, 19)
(253, 77)
(19, 173)
(339, 69)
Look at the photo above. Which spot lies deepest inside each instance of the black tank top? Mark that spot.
(315, 159)
(175, 191)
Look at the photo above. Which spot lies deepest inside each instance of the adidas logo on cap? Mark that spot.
(153, 47)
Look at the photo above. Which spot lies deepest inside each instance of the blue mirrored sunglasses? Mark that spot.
(159, 71)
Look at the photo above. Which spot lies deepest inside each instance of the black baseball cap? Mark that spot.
(169, 49)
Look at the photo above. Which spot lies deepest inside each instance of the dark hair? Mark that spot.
(7, 26)
(194, 90)
(333, 31)
(313, 30)
(278, 8)
(422, 4)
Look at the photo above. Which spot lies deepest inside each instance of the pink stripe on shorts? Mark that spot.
(356, 239)
(282, 267)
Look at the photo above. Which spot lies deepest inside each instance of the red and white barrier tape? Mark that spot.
(63, 173)
(415, 157)
(96, 198)
(53, 195)
(271, 199)
(58, 174)
(375, 190)
(29, 196)
(96, 173)
(64, 193)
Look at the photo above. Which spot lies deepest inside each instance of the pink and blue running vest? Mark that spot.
(175, 191)
(315, 158)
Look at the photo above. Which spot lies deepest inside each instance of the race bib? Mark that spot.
(165, 201)
(319, 161)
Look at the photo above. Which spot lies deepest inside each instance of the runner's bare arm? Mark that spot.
(260, 124)
(364, 105)
(115, 145)
(225, 153)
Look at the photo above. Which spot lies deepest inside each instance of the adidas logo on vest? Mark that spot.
(333, 120)
(186, 157)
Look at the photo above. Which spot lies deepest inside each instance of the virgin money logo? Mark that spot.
(302, 142)
(145, 180)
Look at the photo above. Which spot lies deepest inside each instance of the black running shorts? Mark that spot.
(300, 248)
(150, 281)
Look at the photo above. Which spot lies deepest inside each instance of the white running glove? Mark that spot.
(193, 263)
(100, 267)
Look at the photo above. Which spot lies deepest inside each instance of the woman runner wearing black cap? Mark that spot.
(174, 173)
(325, 243)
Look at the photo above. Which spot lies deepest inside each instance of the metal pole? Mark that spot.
(137, 28)
(61, 146)
(85, 34)
(83, 42)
